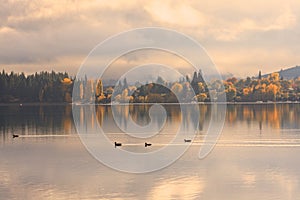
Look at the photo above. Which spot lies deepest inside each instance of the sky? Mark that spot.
(241, 37)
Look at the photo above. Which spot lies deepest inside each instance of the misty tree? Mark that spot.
(160, 80)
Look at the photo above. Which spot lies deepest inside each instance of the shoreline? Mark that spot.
(34, 104)
(126, 104)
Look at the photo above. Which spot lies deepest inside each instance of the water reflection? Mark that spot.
(58, 119)
(179, 119)
(177, 188)
(265, 117)
(60, 168)
(175, 114)
(273, 115)
(36, 120)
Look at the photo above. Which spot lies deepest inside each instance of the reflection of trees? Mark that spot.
(100, 111)
(67, 119)
(273, 115)
(36, 119)
(58, 119)
(204, 115)
(194, 117)
(121, 114)
(140, 115)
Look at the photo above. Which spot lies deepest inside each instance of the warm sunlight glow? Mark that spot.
(241, 38)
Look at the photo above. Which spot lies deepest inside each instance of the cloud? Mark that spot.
(37, 33)
(285, 20)
(175, 13)
(248, 61)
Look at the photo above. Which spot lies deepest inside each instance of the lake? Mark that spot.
(257, 155)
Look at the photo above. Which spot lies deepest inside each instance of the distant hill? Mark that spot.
(290, 73)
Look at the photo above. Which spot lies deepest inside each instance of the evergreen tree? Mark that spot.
(125, 84)
(187, 78)
(40, 87)
(259, 75)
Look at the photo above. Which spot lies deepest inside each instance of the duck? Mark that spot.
(117, 144)
(147, 144)
(15, 135)
(187, 140)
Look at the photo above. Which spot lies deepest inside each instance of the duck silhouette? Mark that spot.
(147, 144)
(117, 144)
(15, 135)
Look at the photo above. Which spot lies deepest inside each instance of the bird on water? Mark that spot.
(147, 144)
(117, 144)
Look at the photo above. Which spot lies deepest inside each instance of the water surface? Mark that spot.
(257, 155)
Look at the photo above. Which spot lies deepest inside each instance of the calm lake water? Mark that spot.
(256, 157)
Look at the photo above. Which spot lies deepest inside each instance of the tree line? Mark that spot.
(45, 87)
(271, 88)
(57, 87)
